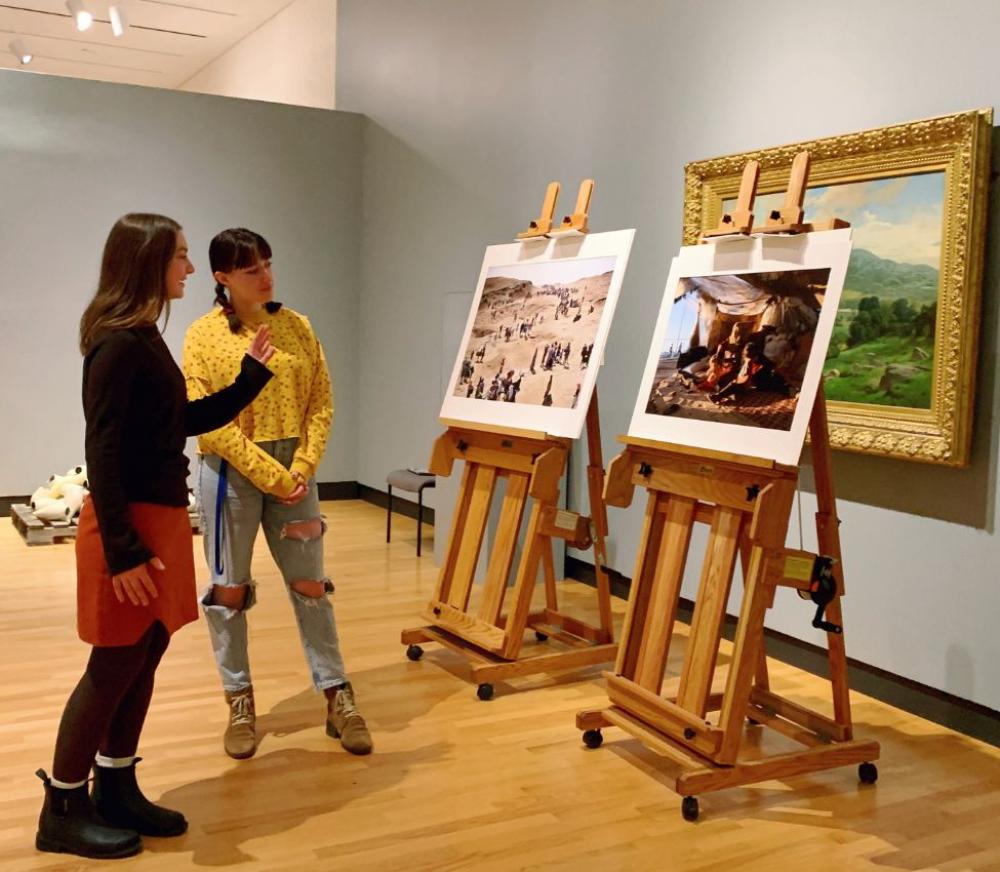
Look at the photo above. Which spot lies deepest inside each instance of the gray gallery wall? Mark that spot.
(473, 107)
(75, 155)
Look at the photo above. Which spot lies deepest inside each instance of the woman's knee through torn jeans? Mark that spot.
(294, 536)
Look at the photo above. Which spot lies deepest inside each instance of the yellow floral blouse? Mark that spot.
(297, 402)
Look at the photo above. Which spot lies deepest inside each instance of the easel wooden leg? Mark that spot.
(642, 582)
(598, 513)
(475, 526)
(442, 590)
(525, 585)
(549, 573)
(504, 546)
(749, 633)
(709, 611)
(762, 679)
(665, 589)
(828, 535)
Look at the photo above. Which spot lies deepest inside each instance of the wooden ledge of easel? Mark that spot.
(516, 432)
(507, 448)
(702, 453)
(709, 778)
(465, 626)
(684, 470)
(485, 666)
(778, 229)
(727, 235)
(820, 725)
(583, 632)
(666, 717)
(701, 776)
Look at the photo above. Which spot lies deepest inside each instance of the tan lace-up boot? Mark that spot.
(241, 740)
(344, 721)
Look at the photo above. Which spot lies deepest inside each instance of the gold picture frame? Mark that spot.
(951, 152)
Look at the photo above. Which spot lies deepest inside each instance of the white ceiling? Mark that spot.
(166, 43)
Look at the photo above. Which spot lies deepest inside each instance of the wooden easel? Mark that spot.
(532, 464)
(746, 502)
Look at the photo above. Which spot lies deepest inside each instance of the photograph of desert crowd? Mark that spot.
(737, 347)
(534, 332)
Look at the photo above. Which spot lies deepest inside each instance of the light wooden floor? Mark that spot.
(454, 783)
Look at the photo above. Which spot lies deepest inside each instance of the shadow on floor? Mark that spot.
(274, 793)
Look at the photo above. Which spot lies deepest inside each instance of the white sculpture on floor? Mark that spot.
(61, 497)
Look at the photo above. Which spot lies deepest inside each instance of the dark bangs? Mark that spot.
(237, 248)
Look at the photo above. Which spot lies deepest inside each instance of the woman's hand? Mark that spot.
(300, 492)
(261, 348)
(136, 584)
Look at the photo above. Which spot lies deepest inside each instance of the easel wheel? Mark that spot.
(593, 738)
(689, 808)
(414, 652)
(868, 773)
(485, 692)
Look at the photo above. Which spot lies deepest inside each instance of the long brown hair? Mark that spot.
(132, 288)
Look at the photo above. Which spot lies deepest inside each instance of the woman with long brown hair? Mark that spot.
(135, 564)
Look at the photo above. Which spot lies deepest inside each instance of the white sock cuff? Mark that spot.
(114, 762)
(66, 785)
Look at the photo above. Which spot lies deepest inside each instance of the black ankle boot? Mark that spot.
(120, 801)
(69, 824)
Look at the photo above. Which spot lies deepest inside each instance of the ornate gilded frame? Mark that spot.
(958, 145)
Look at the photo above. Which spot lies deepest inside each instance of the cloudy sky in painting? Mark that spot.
(898, 219)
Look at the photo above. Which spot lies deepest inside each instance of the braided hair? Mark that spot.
(237, 248)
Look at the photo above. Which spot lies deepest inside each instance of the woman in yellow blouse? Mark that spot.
(259, 471)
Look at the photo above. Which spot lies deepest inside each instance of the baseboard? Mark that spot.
(338, 490)
(402, 505)
(328, 490)
(7, 502)
(961, 715)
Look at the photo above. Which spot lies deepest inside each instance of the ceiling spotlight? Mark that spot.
(20, 51)
(83, 18)
(118, 17)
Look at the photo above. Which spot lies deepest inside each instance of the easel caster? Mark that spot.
(593, 738)
(868, 773)
(485, 692)
(689, 808)
(414, 652)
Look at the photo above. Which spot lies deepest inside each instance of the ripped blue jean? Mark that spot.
(244, 510)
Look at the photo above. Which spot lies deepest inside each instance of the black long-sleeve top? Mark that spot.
(138, 417)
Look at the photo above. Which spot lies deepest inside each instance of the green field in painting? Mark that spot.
(893, 369)
(858, 375)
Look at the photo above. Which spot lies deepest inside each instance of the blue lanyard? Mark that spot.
(220, 502)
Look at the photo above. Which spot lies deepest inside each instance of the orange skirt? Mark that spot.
(101, 619)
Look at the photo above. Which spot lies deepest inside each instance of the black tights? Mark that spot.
(107, 709)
